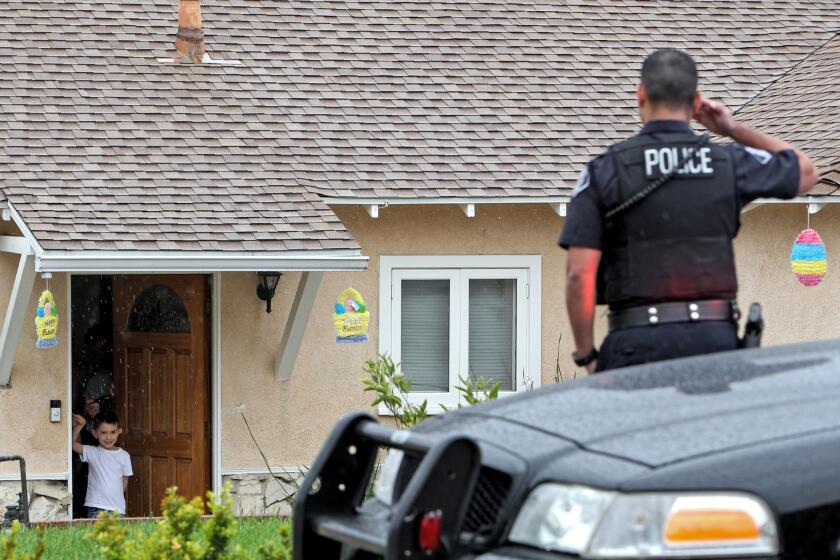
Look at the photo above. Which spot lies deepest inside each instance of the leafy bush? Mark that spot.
(281, 549)
(8, 545)
(392, 388)
(182, 534)
(475, 391)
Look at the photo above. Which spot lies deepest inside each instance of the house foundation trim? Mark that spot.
(102, 262)
(16, 315)
(296, 324)
(34, 477)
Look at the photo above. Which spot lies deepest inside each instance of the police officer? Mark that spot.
(657, 214)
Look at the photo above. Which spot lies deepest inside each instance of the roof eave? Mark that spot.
(170, 262)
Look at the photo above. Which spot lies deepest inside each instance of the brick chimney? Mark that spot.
(190, 39)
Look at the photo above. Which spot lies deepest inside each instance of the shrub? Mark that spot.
(182, 534)
(281, 549)
(8, 545)
(478, 390)
(392, 388)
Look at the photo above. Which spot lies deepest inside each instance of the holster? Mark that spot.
(753, 328)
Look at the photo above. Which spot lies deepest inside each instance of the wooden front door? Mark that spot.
(162, 383)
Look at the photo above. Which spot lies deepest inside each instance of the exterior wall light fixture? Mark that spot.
(266, 287)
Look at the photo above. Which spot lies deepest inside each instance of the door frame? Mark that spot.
(215, 364)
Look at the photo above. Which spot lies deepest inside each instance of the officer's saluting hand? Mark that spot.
(649, 230)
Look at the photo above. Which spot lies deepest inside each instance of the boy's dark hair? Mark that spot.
(105, 417)
(670, 78)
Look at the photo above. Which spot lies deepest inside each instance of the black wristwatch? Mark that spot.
(585, 360)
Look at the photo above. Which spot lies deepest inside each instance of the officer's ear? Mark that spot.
(695, 105)
(641, 95)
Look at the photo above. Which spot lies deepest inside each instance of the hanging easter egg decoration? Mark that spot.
(808, 258)
(351, 317)
(46, 321)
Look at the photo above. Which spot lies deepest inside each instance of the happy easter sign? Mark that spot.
(46, 321)
(351, 317)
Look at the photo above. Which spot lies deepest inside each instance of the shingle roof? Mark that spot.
(104, 147)
(803, 107)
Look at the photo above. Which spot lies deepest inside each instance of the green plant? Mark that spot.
(558, 373)
(476, 390)
(71, 541)
(180, 535)
(391, 389)
(289, 478)
(8, 545)
(281, 549)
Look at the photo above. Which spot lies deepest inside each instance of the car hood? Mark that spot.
(664, 413)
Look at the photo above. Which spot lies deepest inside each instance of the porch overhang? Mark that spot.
(129, 262)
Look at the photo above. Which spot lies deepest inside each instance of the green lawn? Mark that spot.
(70, 542)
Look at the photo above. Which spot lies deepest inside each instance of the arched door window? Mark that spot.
(158, 309)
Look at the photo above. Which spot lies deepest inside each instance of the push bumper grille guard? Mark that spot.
(330, 521)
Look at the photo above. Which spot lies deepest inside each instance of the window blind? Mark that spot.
(492, 337)
(424, 351)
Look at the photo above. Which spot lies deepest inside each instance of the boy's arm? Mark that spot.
(127, 471)
(78, 425)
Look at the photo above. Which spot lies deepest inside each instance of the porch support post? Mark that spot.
(296, 324)
(15, 320)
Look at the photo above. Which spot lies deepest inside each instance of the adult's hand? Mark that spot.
(590, 367)
(718, 118)
(715, 116)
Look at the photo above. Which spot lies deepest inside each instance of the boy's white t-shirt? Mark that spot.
(105, 478)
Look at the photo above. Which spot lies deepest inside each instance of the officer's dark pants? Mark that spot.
(641, 345)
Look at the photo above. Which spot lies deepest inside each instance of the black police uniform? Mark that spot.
(675, 245)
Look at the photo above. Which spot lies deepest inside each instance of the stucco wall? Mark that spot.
(792, 312)
(291, 419)
(38, 376)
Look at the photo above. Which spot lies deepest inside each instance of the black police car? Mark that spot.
(734, 455)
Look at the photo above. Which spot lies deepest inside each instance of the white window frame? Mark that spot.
(525, 269)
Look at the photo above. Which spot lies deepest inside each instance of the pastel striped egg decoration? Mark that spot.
(808, 258)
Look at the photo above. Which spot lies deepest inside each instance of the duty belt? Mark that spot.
(674, 312)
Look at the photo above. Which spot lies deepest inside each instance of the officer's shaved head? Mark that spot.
(670, 78)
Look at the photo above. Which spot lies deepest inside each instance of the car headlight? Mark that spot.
(599, 524)
(559, 517)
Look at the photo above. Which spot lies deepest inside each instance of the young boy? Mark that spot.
(110, 466)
